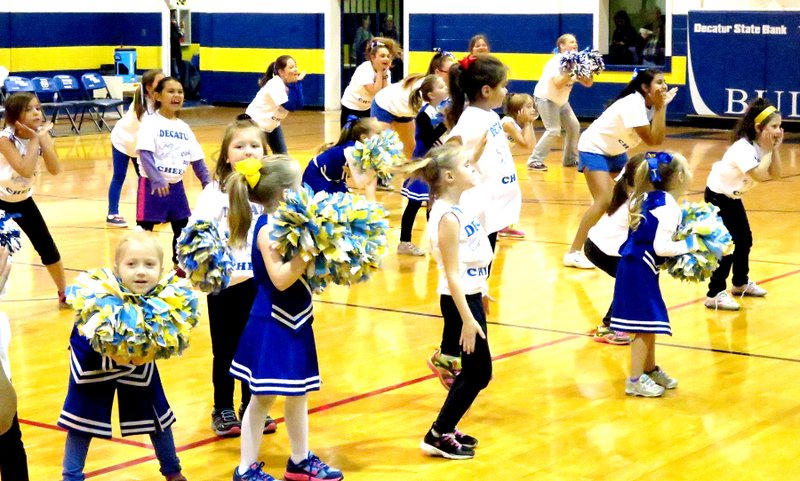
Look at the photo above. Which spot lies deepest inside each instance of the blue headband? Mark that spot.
(444, 53)
(654, 159)
(350, 119)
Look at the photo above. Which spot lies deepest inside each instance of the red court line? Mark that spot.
(328, 406)
(53, 427)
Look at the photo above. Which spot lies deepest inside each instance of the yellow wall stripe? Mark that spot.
(529, 66)
(223, 59)
(34, 59)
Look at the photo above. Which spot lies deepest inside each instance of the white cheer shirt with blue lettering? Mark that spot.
(172, 143)
(13, 186)
(474, 251)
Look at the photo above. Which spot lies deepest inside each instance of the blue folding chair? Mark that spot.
(14, 84)
(92, 83)
(45, 89)
(70, 91)
(3, 76)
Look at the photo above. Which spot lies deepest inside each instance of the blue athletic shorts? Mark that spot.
(385, 116)
(606, 163)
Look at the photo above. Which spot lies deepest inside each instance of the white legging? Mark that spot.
(296, 415)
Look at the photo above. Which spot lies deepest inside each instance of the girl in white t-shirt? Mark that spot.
(369, 78)
(518, 124)
(166, 147)
(25, 138)
(752, 158)
(605, 239)
(281, 92)
(481, 80)
(461, 248)
(637, 114)
(123, 143)
(552, 101)
(229, 309)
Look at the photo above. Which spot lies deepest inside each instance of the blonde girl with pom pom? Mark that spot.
(638, 306)
(462, 250)
(753, 157)
(277, 353)
(334, 163)
(229, 309)
(94, 378)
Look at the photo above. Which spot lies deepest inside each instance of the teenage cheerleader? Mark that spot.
(431, 128)
(277, 354)
(462, 251)
(166, 146)
(638, 114)
(753, 157)
(396, 107)
(229, 309)
(281, 92)
(552, 101)
(638, 305)
(369, 78)
(329, 170)
(25, 138)
(123, 142)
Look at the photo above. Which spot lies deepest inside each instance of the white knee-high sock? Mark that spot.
(252, 429)
(296, 415)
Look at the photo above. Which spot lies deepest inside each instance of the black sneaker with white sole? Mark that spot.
(445, 446)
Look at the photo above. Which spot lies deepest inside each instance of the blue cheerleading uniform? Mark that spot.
(277, 354)
(430, 129)
(326, 171)
(638, 305)
(143, 406)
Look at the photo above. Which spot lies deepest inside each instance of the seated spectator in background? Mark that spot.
(625, 41)
(653, 36)
(390, 30)
(363, 35)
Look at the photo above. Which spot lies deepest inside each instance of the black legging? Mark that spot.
(13, 461)
(32, 223)
(409, 215)
(476, 368)
(177, 227)
(228, 313)
(735, 219)
(607, 264)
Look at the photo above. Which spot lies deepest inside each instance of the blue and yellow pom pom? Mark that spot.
(700, 219)
(205, 256)
(344, 235)
(133, 328)
(380, 153)
(9, 232)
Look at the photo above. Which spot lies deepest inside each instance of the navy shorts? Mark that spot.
(605, 163)
(385, 116)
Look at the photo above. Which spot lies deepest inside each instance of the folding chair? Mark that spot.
(93, 82)
(69, 91)
(47, 93)
(3, 76)
(14, 84)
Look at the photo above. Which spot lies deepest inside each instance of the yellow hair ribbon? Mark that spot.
(764, 114)
(250, 168)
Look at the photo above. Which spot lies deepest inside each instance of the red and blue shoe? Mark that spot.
(311, 469)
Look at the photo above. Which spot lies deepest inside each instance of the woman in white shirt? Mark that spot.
(552, 102)
(637, 114)
(752, 158)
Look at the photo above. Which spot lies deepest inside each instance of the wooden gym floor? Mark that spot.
(556, 408)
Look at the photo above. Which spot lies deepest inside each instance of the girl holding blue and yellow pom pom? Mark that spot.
(276, 353)
(638, 306)
(753, 157)
(95, 378)
(329, 169)
(229, 309)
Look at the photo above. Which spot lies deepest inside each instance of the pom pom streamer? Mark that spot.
(9, 232)
(344, 235)
(132, 328)
(700, 219)
(205, 256)
(583, 64)
(380, 153)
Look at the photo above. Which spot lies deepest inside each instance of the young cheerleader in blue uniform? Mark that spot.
(277, 354)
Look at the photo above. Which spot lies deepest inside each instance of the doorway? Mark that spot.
(376, 17)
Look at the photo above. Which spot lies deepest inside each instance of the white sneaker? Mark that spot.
(722, 301)
(577, 259)
(663, 379)
(644, 387)
(408, 248)
(749, 289)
